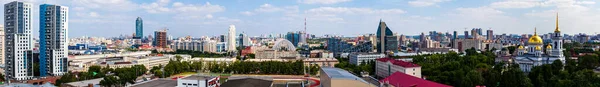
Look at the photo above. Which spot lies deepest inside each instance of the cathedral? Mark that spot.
(534, 54)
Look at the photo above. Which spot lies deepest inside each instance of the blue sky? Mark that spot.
(197, 18)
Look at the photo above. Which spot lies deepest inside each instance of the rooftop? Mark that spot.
(399, 79)
(85, 82)
(336, 73)
(398, 62)
(157, 83)
(196, 77)
(247, 82)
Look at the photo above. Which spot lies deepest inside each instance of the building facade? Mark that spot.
(231, 39)
(19, 44)
(386, 42)
(54, 26)
(160, 38)
(139, 28)
(360, 58)
(387, 66)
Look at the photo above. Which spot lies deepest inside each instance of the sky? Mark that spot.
(111, 18)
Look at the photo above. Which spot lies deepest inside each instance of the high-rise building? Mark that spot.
(139, 28)
(386, 39)
(231, 39)
(54, 26)
(19, 44)
(467, 34)
(160, 38)
(243, 40)
(490, 34)
(2, 36)
(293, 37)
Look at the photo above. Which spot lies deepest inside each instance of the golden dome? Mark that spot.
(538, 48)
(521, 47)
(549, 47)
(535, 40)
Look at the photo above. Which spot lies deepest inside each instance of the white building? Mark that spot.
(198, 81)
(533, 54)
(359, 58)
(2, 36)
(231, 39)
(17, 20)
(54, 46)
(387, 66)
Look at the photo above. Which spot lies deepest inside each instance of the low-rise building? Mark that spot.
(359, 58)
(321, 62)
(386, 66)
(400, 79)
(198, 81)
(335, 77)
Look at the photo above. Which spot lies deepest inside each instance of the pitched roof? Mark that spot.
(398, 62)
(399, 79)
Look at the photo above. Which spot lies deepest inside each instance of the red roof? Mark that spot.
(398, 62)
(399, 79)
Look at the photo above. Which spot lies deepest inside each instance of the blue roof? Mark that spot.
(337, 73)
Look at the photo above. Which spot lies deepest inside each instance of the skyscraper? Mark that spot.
(490, 34)
(2, 42)
(467, 34)
(18, 46)
(293, 37)
(386, 39)
(54, 26)
(231, 39)
(139, 28)
(160, 38)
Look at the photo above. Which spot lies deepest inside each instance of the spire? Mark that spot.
(535, 31)
(557, 30)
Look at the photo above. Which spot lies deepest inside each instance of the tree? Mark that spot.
(111, 81)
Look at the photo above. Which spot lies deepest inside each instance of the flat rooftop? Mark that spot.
(85, 82)
(337, 73)
(157, 83)
(196, 77)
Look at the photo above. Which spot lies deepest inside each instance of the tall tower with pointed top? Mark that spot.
(557, 41)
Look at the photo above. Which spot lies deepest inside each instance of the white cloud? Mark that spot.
(247, 13)
(479, 13)
(106, 5)
(93, 14)
(515, 4)
(268, 8)
(425, 3)
(334, 13)
(322, 1)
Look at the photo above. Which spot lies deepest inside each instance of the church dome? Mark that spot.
(538, 48)
(549, 47)
(535, 40)
(521, 47)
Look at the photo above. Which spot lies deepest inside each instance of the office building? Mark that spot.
(139, 28)
(387, 66)
(2, 42)
(360, 58)
(294, 38)
(54, 27)
(160, 38)
(386, 42)
(338, 46)
(19, 44)
(231, 39)
(467, 35)
(336, 77)
(490, 34)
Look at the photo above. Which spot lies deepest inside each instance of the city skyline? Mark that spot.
(408, 17)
